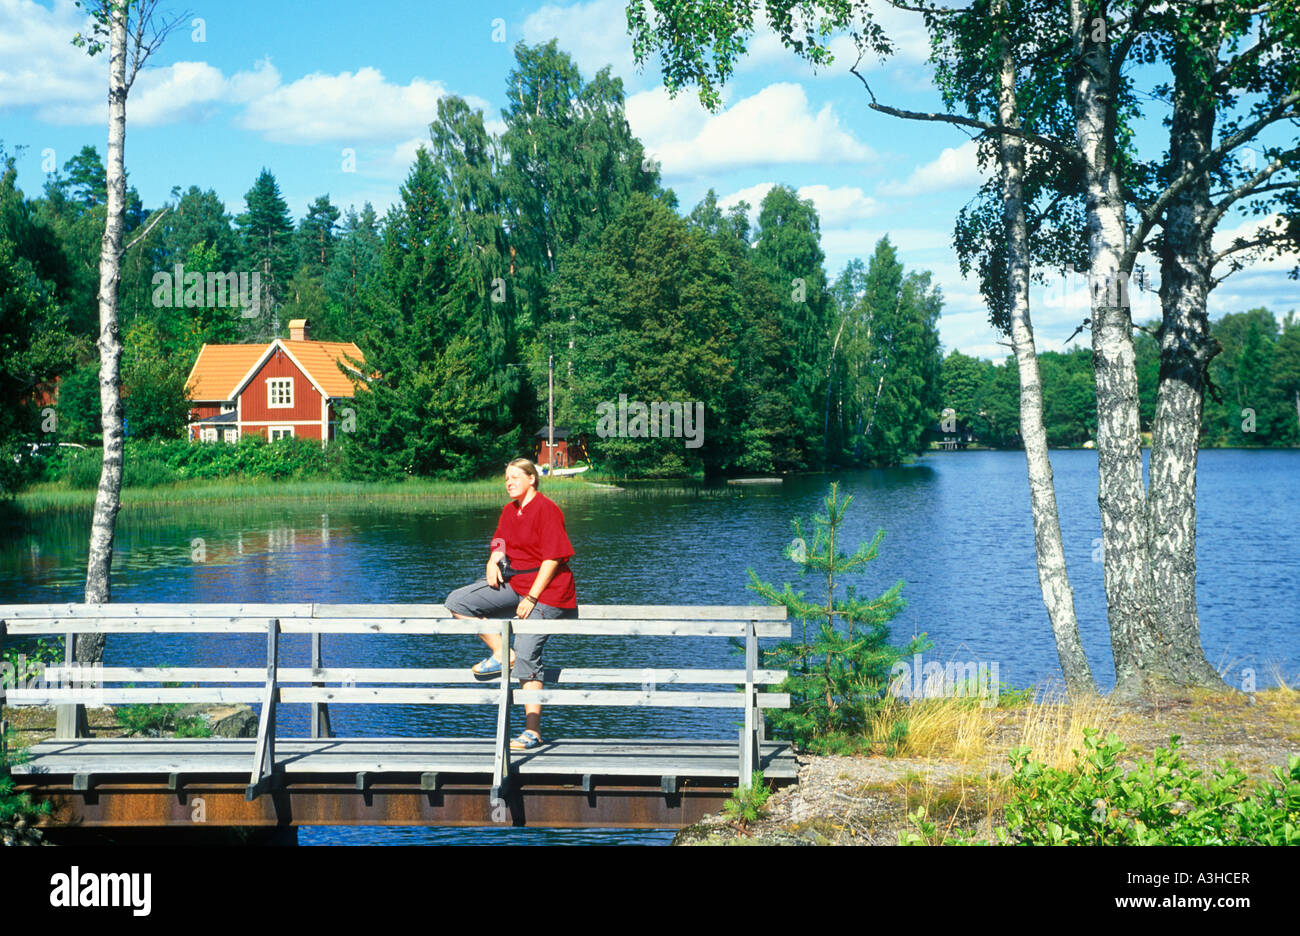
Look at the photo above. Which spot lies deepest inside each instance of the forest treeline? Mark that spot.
(1253, 398)
(554, 238)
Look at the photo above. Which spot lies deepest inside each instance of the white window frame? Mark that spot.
(272, 383)
(207, 434)
(230, 434)
(227, 408)
(271, 430)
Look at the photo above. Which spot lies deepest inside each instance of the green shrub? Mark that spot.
(1160, 802)
(153, 464)
(158, 719)
(29, 655)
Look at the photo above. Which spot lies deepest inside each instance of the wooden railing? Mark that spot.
(320, 685)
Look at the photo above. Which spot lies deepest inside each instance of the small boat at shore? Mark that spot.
(562, 472)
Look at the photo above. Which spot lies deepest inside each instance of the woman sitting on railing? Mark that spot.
(530, 553)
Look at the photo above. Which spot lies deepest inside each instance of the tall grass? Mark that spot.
(54, 496)
(960, 729)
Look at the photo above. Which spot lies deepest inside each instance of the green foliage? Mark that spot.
(153, 385)
(651, 317)
(30, 656)
(1158, 802)
(839, 674)
(266, 236)
(747, 803)
(354, 266)
(892, 384)
(1254, 398)
(430, 409)
(149, 464)
(15, 805)
(155, 720)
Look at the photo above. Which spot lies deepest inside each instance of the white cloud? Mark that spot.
(837, 209)
(773, 127)
(1248, 229)
(347, 107)
(42, 70)
(840, 207)
(753, 195)
(955, 168)
(594, 34)
(39, 66)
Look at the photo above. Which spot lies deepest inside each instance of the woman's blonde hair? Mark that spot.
(528, 468)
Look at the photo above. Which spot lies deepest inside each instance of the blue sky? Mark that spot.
(334, 98)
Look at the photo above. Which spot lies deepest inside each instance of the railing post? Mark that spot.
(264, 757)
(501, 756)
(749, 753)
(320, 712)
(70, 720)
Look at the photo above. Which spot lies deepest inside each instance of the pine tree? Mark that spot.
(353, 268)
(317, 238)
(267, 247)
(430, 409)
(840, 671)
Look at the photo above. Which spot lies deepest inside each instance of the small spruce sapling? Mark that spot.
(839, 667)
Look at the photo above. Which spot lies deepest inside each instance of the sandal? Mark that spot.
(526, 741)
(489, 667)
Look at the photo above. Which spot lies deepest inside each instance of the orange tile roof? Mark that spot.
(321, 360)
(219, 368)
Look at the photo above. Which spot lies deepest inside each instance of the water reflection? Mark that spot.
(958, 533)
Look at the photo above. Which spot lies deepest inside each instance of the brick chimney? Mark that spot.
(298, 330)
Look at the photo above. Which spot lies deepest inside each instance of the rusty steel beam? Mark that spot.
(212, 803)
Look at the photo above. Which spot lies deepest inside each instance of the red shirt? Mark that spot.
(531, 536)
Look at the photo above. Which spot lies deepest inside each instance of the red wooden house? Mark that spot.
(287, 388)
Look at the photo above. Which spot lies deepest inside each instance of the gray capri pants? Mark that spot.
(484, 601)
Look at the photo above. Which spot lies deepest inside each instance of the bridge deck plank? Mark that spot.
(576, 757)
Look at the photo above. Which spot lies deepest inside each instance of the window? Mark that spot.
(232, 435)
(207, 434)
(279, 392)
(227, 407)
(279, 432)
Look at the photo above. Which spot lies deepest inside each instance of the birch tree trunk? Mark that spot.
(90, 647)
(1052, 575)
(1121, 493)
(1186, 348)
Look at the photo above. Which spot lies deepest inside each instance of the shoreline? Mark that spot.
(46, 497)
(867, 800)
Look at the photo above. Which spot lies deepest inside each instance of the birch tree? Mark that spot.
(131, 32)
(685, 62)
(1209, 74)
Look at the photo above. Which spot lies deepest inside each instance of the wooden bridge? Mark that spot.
(272, 781)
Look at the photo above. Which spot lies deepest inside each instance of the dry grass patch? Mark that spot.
(1053, 727)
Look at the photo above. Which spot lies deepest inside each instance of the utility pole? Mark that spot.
(550, 411)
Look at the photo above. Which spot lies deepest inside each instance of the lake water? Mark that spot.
(958, 532)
